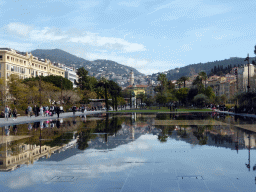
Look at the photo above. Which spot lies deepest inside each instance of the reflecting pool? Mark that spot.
(130, 152)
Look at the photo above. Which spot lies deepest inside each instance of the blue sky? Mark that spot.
(150, 35)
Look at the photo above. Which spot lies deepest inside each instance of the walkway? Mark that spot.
(26, 119)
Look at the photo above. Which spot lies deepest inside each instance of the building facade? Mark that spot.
(25, 65)
(243, 78)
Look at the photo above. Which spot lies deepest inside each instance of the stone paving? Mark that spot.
(26, 119)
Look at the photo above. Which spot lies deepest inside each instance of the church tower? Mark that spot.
(131, 78)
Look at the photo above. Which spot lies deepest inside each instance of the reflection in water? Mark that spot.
(110, 131)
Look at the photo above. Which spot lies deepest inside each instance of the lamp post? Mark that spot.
(247, 59)
(106, 95)
(61, 91)
(40, 89)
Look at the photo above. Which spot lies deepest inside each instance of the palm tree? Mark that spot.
(203, 76)
(179, 82)
(183, 79)
(163, 80)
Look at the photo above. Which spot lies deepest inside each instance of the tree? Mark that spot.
(115, 91)
(2, 90)
(149, 100)
(223, 99)
(182, 94)
(17, 89)
(209, 93)
(201, 99)
(192, 93)
(163, 81)
(57, 81)
(198, 83)
(142, 97)
(121, 101)
(170, 86)
(104, 83)
(83, 79)
(161, 99)
(179, 82)
(203, 76)
(183, 79)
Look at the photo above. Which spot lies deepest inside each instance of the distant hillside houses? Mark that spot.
(230, 84)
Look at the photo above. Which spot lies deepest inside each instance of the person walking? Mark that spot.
(14, 113)
(35, 110)
(74, 110)
(61, 109)
(58, 111)
(29, 111)
(6, 112)
(41, 111)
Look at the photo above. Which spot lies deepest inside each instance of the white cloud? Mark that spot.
(18, 29)
(108, 42)
(47, 34)
(92, 39)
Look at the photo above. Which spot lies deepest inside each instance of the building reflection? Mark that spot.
(112, 131)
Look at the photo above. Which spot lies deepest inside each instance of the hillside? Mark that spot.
(196, 68)
(93, 67)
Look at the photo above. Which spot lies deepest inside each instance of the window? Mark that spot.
(8, 67)
(8, 57)
(1, 57)
(25, 62)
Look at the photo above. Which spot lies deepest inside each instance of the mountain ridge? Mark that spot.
(93, 67)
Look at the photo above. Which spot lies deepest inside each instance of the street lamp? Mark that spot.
(247, 59)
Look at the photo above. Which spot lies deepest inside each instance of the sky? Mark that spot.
(149, 35)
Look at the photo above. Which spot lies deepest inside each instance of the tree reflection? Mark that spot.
(166, 131)
(108, 127)
(199, 134)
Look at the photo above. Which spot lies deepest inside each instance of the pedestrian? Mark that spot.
(29, 111)
(14, 113)
(41, 111)
(61, 109)
(10, 112)
(74, 110)
(35, 110)
(58, 111)
(6, 112)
